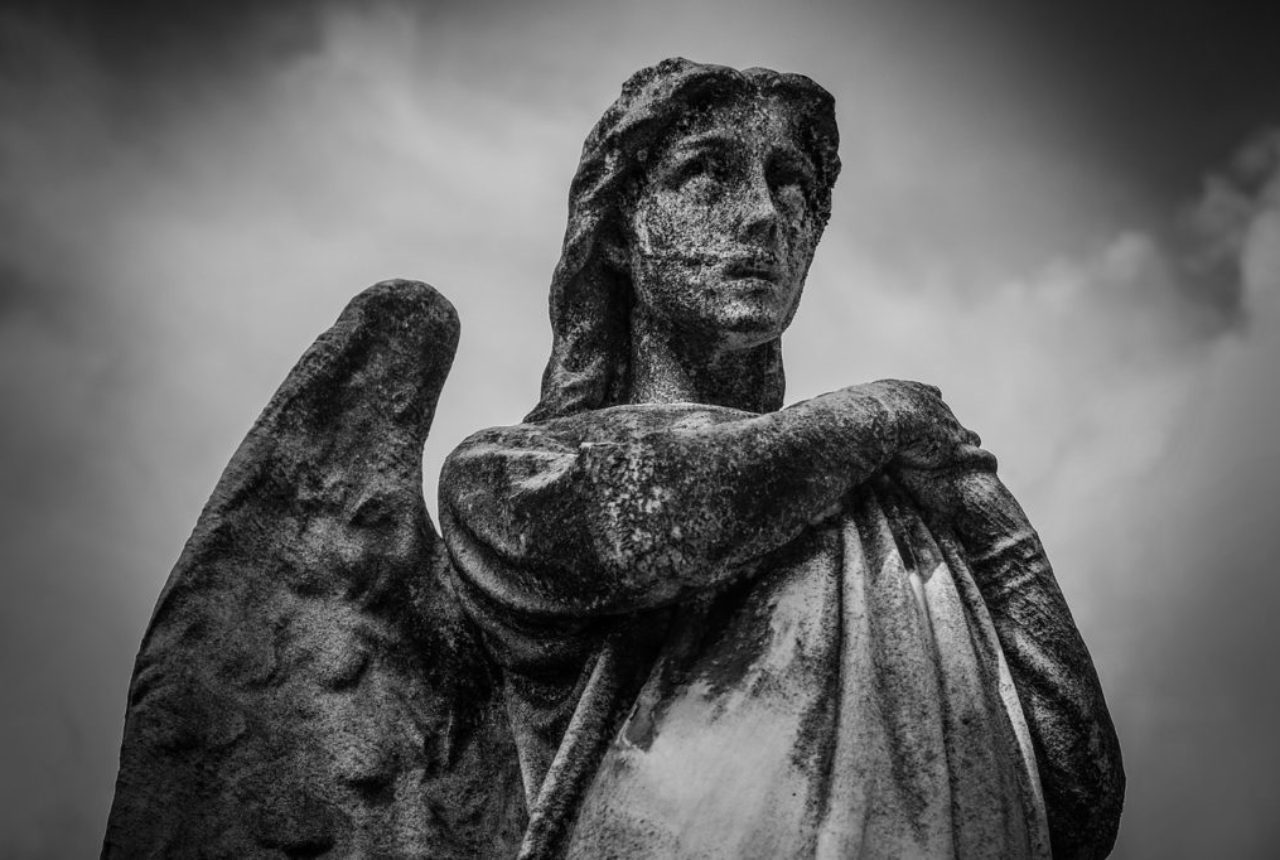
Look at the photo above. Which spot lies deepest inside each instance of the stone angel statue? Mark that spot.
(666, 617)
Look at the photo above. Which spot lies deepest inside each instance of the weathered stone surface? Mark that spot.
(306, 686)
(728, 629)
(668, 618)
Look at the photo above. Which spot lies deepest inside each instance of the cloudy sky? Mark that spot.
(1067, 218)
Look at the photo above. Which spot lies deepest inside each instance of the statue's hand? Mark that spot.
(967, 482)
(928, 434)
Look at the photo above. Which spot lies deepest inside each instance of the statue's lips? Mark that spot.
(752, 267)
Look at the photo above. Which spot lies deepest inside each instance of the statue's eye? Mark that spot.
(702, 169)
(792, 171)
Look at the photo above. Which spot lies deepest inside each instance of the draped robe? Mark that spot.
(711, 647)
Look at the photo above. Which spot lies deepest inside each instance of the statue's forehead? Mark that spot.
(750, 121)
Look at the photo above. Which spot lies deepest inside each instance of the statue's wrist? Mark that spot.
(880, 412)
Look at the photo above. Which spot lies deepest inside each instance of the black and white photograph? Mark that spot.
(705, 429)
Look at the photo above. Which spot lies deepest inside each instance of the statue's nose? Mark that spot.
(760, 216)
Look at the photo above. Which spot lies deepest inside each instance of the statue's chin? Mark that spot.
(749, 322)
(722, 315)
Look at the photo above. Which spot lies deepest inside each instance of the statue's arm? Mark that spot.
(638, 506)
(1077, 751)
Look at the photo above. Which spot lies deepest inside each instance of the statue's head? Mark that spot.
(699, 200)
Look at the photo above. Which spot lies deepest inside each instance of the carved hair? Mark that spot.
(591, 294)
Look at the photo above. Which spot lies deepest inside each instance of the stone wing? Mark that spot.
(307, 684)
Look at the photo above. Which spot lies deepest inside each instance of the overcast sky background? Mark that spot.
(1067, 218)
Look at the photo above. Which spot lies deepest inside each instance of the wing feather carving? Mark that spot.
(307, 684)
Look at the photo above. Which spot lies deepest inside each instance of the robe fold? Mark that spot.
(851, 702)
(854, 692)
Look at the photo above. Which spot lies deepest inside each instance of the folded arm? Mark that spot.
(638, 506)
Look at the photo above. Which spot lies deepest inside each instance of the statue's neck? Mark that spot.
(667, 367)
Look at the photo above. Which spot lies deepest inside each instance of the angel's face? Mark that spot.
(724, 228)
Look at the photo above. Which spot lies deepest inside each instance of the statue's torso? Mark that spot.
(849, 700)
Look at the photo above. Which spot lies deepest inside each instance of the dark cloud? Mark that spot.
(1212, 234)
(1172, 86)
(182, 40)
(1040, 211)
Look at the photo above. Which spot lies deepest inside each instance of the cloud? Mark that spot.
(169, 249)
(173, 233)
(1131, 395)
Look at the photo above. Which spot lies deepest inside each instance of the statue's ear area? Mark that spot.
(615, 246)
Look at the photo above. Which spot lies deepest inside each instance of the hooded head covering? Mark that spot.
(591, 295)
